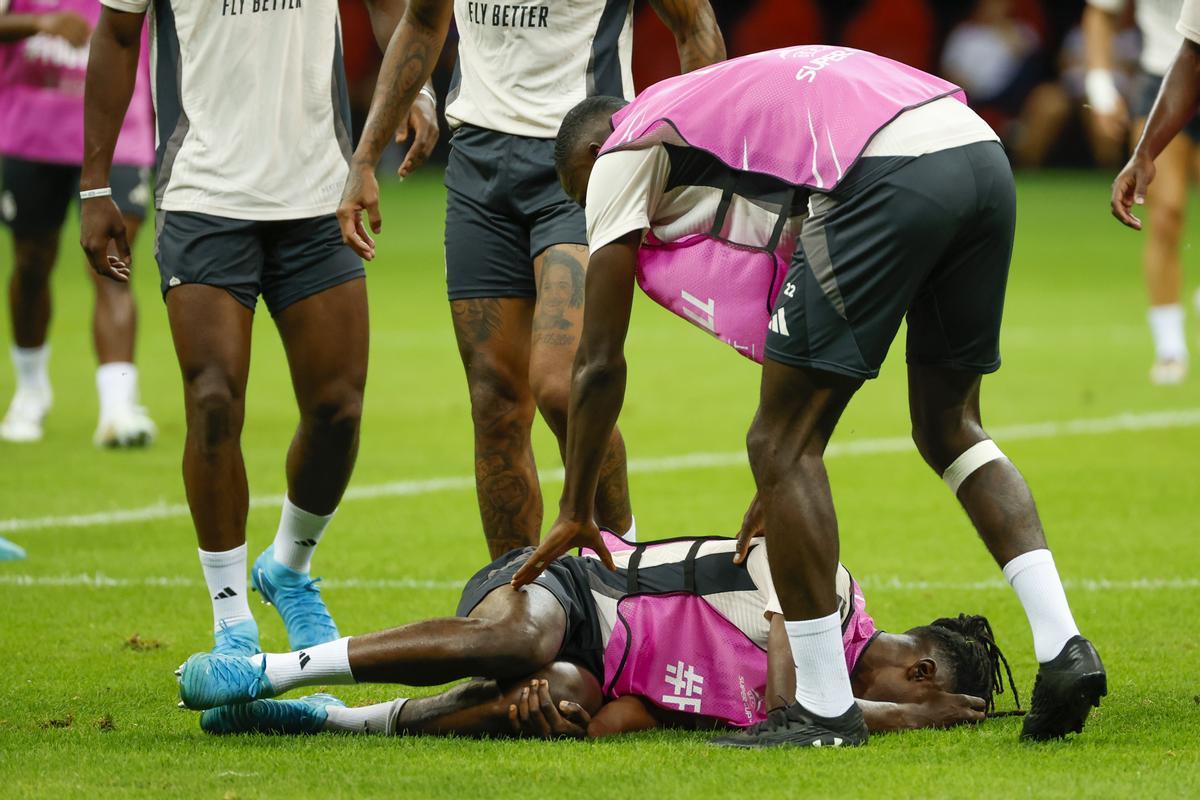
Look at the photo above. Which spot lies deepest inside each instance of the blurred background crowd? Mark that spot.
(1021, 61)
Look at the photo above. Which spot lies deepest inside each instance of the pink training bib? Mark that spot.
(41, 94)
(802, 115)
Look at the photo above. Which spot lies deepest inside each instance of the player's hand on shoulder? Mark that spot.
(102, 236)
(422, 131)
(360, 194)
(536, 714)
(753, 526)
(68, 25)
(1129, 189)
(564, 535)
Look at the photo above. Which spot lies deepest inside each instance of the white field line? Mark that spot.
(871, 583)
(1155, 420)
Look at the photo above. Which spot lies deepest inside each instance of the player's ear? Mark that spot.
(594, 149)
(923, 670)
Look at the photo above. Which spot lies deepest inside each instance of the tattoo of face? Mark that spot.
(561, 288)
(476, 320)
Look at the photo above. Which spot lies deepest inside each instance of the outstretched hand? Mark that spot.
(422, 128)
(753, 526)
(360, 194)
(1129, 189)
(563, 536)
(536, 714)
(103, 238)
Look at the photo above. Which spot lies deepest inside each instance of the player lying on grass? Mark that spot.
(676, 636)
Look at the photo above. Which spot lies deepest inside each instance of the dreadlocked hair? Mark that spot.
(970, 648)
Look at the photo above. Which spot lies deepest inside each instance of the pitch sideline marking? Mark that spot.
(99, 580)
(1128, 421)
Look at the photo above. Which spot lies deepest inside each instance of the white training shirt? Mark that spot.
(1156, 19)
(1189, 20)
(253, 115)
(628, 188)
(524, 64)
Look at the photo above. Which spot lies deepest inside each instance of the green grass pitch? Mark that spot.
(84, 713)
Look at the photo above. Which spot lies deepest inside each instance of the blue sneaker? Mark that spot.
(306, 715)
(298, 599)
(10, 551)
(208, 680)
(238, 639)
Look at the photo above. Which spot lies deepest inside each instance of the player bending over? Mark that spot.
(676, 636)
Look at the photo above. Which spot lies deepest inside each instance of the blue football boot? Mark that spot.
(10, 551)
(208, 680)
(305, 715)
(238, 639)
(298, 599)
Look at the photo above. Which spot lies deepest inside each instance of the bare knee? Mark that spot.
(502, 407)
(215, 406)
(34, 261)
(940, 439)
(336, 409)
(553, 397)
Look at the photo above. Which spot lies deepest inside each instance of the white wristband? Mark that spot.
(88, 194)
(1101, 90)
(425, 90)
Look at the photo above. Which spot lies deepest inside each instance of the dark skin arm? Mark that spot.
(111, 73)
(67, 24)
(1176, 104)
(597, 393)
(408, 62)
(696, 33)
(422, 122)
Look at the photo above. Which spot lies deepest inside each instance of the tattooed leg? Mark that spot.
(493, 340)
(557, 324)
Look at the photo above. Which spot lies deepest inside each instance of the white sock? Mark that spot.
(225, 575)
(298, 535)
(631, 534)
(320, 664)
(822, 682)
(116, 383)
(1035, 580)
(31, 367)
(378, 718)
(1166, 325)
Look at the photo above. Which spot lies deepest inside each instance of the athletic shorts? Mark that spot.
(930, 239)
(566, 579)
(504, 206)
(36, 194)
(283, 260)
(1146, 92)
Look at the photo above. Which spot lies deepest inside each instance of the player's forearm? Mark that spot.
(111, 75)
(408, 61)
(883, 717)
(697, 34)
(1099, 30)
(597, 394)
(1176, 103)
(15, 27)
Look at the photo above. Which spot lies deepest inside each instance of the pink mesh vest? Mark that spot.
(802, 115)
(41, 95)
(679, 653)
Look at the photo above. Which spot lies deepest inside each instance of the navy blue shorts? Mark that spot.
(504, 206)
(37, 194)
(283, 260)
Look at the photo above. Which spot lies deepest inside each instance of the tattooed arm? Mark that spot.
(407, 64)
(696, 33)
(422, 123)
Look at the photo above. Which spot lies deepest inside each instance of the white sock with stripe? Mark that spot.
(298, 535)
(379, 718)
(312, 666)
(225, 577)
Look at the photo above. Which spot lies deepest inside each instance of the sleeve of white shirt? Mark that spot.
(1189, 21)
(132, 6)
(623, 192)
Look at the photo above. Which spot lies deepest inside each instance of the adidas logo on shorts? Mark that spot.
(174, 281)
(779, 323)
